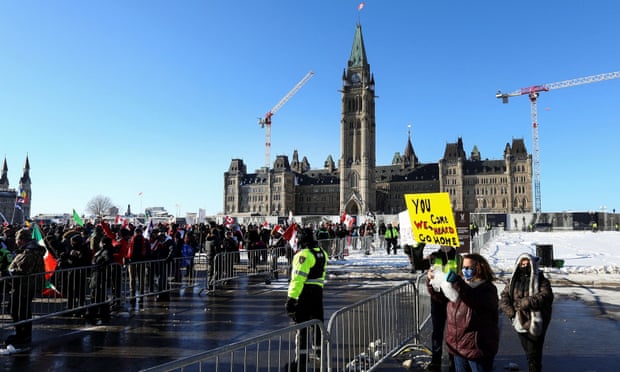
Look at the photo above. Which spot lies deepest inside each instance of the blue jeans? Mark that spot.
(475, 365)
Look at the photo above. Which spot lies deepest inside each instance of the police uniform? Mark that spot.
(305, 291)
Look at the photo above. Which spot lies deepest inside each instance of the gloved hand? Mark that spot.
(522, 304)
(291, 307)
(451, 277)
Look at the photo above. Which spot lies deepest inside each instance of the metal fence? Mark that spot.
(27, 298)
(358, 338)
(273, 351)
(268, 263)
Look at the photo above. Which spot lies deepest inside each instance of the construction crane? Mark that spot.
(265, 122)
(533, 92)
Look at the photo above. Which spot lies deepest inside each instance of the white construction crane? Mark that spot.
(532, 93)
(266, 121)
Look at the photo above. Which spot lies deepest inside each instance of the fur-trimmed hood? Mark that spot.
(535, 317)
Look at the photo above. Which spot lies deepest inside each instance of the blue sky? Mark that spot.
(118, 98)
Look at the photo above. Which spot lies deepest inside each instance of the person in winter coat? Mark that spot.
(28, 260)
(391, 237)
(443, 260)
(305, 293)
(527, 300)
(472, 330)
(100, 281)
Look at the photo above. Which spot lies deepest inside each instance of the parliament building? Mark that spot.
(355, 184)
(15, 204)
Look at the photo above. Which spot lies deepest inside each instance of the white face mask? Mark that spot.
(445, 248)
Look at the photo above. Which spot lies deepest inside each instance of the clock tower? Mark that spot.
(357, 133)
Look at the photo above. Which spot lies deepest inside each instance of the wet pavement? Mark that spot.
(153, 333)
(582, 336)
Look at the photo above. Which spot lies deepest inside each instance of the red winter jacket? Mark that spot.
(472, 329)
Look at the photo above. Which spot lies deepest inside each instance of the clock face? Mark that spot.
(356, 78)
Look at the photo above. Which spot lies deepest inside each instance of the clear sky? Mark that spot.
(118, 98)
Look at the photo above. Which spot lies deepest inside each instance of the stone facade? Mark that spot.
(15, 204)
(358, 186)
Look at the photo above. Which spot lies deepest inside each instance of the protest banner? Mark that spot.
(432, 219)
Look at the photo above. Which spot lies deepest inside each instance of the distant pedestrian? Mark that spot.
(527, 301)
(391, 238)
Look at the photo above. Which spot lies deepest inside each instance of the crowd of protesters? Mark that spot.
(89, 258)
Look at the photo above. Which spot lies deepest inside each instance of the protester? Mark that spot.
(305, 292)
(99, 282)
(527, 301)
(28, 260)
(472, 327)
(442, 261)
(138, 251)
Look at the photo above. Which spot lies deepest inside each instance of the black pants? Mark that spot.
(21, 301)
(438, 318)
(310, 306)
(533, 347)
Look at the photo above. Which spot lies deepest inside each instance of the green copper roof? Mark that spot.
(358, 52)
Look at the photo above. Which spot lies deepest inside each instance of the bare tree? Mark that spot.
(99, 205)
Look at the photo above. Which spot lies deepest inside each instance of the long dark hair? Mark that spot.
(483, 269)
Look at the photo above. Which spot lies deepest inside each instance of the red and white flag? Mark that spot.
(361, 6)
(290, 233)
(228, 220)
(348, 220)
(277, 229)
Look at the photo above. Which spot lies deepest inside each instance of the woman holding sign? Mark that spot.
(472, 334)
(442, 261)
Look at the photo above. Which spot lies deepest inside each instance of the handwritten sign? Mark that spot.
(432, 219)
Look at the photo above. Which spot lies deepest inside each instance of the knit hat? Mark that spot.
(24, 235)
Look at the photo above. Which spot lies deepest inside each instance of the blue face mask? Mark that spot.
(468, 273)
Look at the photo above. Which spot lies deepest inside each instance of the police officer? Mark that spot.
(305, 291)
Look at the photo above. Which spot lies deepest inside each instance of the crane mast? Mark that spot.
(265, 122)
(532, 92)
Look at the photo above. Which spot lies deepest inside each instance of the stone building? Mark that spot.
(357, 185)
(15, 203)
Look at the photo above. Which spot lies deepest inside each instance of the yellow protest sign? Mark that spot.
(432, 219)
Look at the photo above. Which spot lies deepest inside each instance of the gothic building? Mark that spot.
(358, 185)
(15, 204)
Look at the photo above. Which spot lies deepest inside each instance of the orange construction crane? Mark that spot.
(266, 121)
(532, 92)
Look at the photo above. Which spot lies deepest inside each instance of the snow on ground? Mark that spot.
(591, 269)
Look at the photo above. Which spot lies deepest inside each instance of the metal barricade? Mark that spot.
(358, 338)
(42, 295)
(273, 351)
(364, 334)
(157, 277)
(269, 263)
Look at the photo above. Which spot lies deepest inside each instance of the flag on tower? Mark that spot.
(361, 6)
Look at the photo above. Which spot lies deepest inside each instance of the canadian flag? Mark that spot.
(361, 6)
(228, 220)
(277, 229)
(290, 233)
(347, 219)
